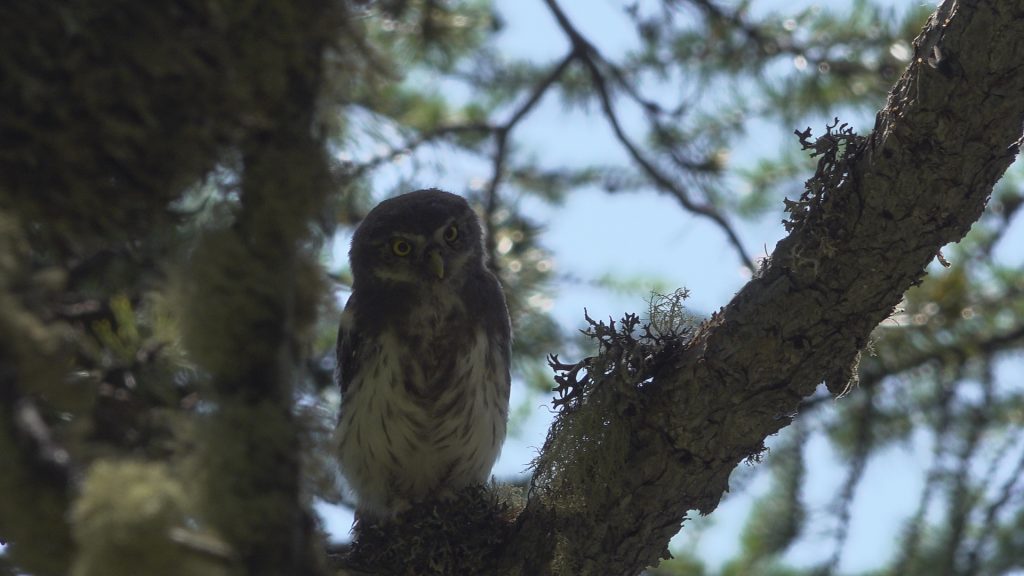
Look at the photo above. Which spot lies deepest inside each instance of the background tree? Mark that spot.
(172, 172)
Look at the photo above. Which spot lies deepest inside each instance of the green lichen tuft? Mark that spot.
(240, 443)
(593, 438)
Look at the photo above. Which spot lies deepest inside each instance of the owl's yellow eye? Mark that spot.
(401, 247)
(451, 234)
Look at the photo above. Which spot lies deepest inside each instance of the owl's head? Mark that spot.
(419, 237)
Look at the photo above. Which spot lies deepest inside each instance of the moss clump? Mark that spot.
(125, 521)
(460, 535)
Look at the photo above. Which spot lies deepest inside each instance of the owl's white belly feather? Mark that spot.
(396, 448)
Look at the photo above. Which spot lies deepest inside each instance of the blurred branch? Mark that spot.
(252, 292)
(843, 505)
(35, 483)
(501, 135)
(961, 501)
(357, 170)
(875, 369)
(593, 60)
(768, 43)
(1010, 487)
(37, 435)
(761, 40)
(946, 389)
(956, 351)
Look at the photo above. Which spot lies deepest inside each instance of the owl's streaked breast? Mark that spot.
(434, 317)
(416, 425)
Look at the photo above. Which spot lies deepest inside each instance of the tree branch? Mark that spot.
(990, 521)
(251, 285)
(873, 371)
(501, 135)
(962, 502)
(360, 169)
(911, 537)
(591, 59)
(843, 505)
(668, 443)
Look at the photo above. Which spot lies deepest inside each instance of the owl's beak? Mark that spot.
(436, 262)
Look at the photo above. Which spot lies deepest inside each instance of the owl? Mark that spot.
(423, 355)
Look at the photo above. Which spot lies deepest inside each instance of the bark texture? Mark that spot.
(876, 215)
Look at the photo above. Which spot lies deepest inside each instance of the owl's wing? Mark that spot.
(348, 345)
(499, 326)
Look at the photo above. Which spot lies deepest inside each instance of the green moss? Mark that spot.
(250, 474)
(232, 302)
(124, 521)
(461, 535)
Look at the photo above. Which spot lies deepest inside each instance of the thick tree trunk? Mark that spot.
(880, 213)
(256, 289)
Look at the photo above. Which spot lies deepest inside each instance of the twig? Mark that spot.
(358, 170)
(961, 502)
(501, 135)
(988, 525)
(955, 352)
(857, 466)
(590, 57)
(912, 535)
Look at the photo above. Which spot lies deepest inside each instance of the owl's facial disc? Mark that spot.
(429, 251)
(411, 258)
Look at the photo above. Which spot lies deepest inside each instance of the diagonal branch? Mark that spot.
(667, 438)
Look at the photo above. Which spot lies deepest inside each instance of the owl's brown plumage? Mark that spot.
(423, 355)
